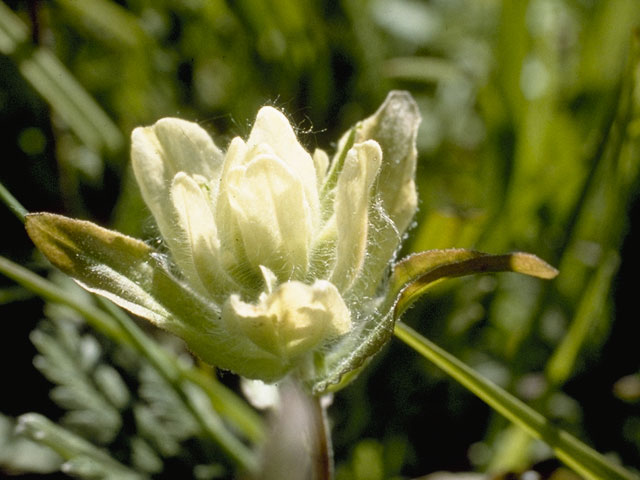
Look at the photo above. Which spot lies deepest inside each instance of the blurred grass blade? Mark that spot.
(414, 275)
(108, 20)
(589, 310)
(13, 31)
(14, 294)
(581, 458)
(57, 86)
(69, 100)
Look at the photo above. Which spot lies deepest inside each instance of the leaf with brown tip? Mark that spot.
(416, 273)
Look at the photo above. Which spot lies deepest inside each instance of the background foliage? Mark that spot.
(529, 141)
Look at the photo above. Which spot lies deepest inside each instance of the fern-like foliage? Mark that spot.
(122, 419)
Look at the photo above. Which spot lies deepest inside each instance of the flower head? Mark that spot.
(278, 259)
(274, 253)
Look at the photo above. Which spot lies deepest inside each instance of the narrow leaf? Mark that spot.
(590, 310)
(583, 459)
(415, 274)
(110, 22)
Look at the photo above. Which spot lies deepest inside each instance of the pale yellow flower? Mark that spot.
(274, 254)
(277, 260)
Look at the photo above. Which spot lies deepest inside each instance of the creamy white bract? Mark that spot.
(273, 235)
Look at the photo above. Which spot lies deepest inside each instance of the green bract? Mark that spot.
(278, 260)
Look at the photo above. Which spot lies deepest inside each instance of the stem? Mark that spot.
(12, 203)
(97, 319)
(578, 456)
(322, 461)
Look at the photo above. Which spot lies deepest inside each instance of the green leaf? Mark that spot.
(107, 20)
(63, 361)
(415, 274)
(589, 311)
(137, 278)
(21, 455)
(82, 458)
(581, 458)
(106, 262)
